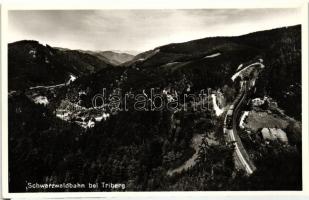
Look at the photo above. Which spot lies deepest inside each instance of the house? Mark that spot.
(272, 103)
(257, 102)
(274, 134)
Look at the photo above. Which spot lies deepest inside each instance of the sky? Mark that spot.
(140, 30)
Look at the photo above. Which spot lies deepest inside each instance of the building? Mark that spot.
(257, 102)
(271, 103)
(274, 134)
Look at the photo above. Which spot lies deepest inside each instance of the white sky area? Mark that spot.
(140, 30)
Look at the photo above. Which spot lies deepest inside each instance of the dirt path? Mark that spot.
(195, 143)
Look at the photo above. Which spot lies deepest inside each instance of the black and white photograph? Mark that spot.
(154, 100)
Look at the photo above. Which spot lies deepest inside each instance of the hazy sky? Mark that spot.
(139, 30)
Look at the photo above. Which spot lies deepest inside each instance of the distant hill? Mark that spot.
(31, 63)
(112, 57)
(210, 62)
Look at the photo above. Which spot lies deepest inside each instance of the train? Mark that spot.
(231, 135)
(228, 122)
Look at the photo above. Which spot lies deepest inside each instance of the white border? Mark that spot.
(159, 4)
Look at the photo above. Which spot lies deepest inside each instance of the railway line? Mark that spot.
(242, 159)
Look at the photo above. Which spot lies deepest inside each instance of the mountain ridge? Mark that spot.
(31, 64)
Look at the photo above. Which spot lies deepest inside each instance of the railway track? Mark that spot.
(242, 159)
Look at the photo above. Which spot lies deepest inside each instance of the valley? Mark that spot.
(246, 138)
